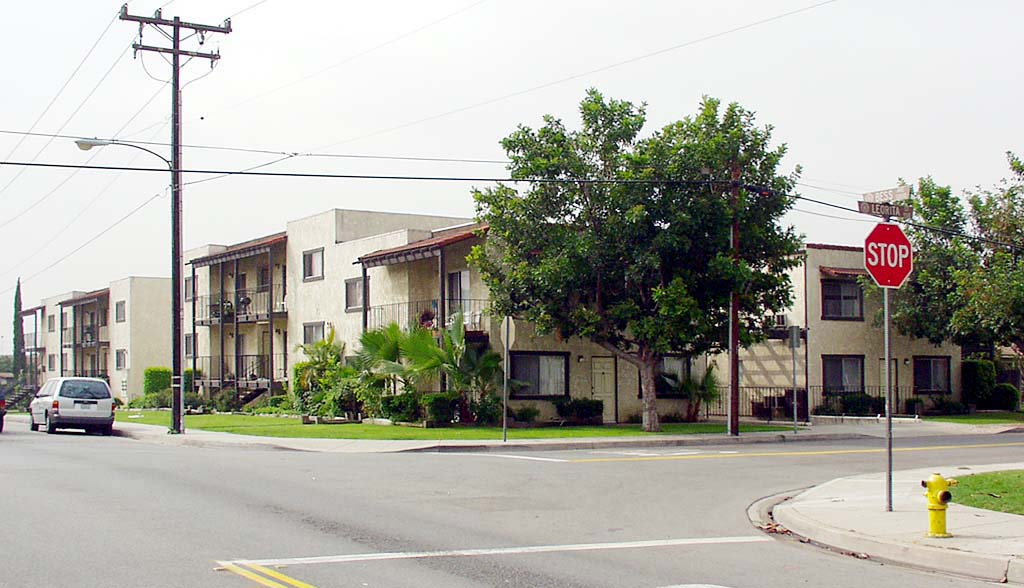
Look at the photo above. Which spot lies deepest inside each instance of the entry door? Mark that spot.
(603, 385)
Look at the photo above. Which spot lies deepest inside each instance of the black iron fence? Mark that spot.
(246, 304)
(226, 369)
(763, 403)
(863, 400)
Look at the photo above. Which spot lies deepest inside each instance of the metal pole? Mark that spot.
(792, 349)
(733, 427)
(504, 387)
(177, 426)
(888, 408)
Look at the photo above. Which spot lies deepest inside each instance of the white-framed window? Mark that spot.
(843, 373)
(354, 293)
(931, 374)
(190, 288)
(121, 359)
(312, 332)
(51, 324)
(543, 374)
(51, 361)
(189, 345)
(313, 264)
(841, 300)
(120, 311)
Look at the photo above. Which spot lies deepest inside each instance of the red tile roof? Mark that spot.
(842, 272)
(423, 248)
(240, 249)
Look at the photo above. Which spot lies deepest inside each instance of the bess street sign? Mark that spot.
(888, 255)
(885, 203)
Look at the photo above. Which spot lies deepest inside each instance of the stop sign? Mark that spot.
(888, 256)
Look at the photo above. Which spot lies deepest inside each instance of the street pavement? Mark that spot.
(846, 513)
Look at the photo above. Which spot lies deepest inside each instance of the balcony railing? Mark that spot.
(229, 369)
(423, 313)
(92, 335)
(30, 341)
(249, 304)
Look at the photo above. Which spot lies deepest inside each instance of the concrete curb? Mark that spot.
(950, 561)
(626, 443)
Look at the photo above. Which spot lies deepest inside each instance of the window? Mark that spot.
(263, 278)
(103, 316)
(841, 300)
(51, 361)
(931, 375)
(544, 374)
(458, 292)
(63, 362)
(190, 288)
(119, 311)
(843, 373)
(51, 323)
(120, 359)
(354, 293)
(676, 370)
(189, 345)
(312, 332)
(313, 265)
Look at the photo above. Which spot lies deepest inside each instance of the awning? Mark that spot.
(423, 249)
(87, 298)
(242, 250)
(843, 272)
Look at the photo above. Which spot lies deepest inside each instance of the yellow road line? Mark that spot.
(789, 453)
(236, 569)
(278, 575)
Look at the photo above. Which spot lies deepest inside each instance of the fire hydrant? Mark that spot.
(938, 497)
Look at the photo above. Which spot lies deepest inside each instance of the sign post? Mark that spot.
(889, 259)
(794, 344)
(508, 336)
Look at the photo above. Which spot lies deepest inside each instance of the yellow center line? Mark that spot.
(278, 575)
(788, 453)
(250, 576)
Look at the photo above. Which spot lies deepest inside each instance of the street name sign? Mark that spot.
(885, 210)
(888, 196)
(888, 255)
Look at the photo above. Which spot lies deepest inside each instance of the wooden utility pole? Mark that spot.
(175, 27)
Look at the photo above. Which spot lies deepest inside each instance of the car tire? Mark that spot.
(32, 426)
(51, 427)
(1, 424)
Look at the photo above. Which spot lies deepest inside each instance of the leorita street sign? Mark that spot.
(888, 255)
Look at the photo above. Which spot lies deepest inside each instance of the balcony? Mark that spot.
(92, 336)
(245, 306)
(423, 313)
(242, 371)
(30, 342)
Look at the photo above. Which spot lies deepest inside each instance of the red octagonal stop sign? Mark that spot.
(888, 255)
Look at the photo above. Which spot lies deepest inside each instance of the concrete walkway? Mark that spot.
(849, 514)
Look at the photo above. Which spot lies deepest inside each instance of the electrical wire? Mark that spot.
(56, 96)
(247, 8)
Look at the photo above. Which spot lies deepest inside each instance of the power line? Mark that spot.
(583, 74)
(247, 8)
(57, 95)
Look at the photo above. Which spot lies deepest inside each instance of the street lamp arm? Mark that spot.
(87, 144)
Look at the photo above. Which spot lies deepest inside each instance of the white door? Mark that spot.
(602, 380)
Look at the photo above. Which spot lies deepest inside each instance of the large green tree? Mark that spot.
(19, 360)
(626, 241)
(992, 294)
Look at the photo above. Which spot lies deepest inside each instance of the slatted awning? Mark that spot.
(242, 250)
(843, 272)
(423, 249)
(87, 298)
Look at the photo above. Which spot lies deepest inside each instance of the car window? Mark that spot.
(45, 390)
(84, 389)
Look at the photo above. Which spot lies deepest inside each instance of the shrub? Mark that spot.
(193, 400)
(978, 378)
(440, 407)
(486, 410)
(527, 413)
(227, 400)
(1005, 397)
(914, 405)
(403, 407)
(118, 402)
(188, 378)
(580, 410)
(862, 404)
(944, 404)
(155, 379)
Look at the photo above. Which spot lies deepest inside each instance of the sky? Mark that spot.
(863, 92)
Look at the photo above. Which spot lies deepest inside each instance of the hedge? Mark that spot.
(155, 379)
(978, 377)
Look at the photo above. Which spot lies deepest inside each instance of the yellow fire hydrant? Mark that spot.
(938, 498)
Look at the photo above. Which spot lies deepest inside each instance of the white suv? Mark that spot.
(76, 403)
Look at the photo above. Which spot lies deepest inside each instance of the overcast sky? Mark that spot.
(864, 92)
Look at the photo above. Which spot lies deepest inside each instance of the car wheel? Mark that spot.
(51, 427)
(32, 426)
(1, 424)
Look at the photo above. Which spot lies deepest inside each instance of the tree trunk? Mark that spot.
(648, 372)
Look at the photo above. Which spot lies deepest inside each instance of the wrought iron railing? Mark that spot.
(762, 402)
(859, 400)
(239, 368)
(246, 304)
(424, 313)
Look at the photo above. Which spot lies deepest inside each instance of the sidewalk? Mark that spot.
(849, 514)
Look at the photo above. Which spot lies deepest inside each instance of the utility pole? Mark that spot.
(174, 36)
(734, 311)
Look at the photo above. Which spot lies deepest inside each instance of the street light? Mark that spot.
(177, 409)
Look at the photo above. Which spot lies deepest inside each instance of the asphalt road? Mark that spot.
(95, 511)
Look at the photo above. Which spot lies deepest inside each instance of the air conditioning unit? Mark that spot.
(780, 321)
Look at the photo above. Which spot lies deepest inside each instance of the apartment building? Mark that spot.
(250, 306)
(113, 333)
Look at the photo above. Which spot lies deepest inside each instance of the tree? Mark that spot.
(924, 306)
(627, 242)
(992, 294)
(19, 362)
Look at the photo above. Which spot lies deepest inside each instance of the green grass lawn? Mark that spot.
(269, 426)
(982, 418)
(1002, 491)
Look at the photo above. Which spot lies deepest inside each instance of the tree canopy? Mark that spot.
(626, 241)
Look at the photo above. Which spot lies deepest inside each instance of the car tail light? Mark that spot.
(55, 406)
(113, 408)
(3, 403)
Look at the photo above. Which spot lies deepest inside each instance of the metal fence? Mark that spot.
(423, 313)
(763, 403)
(862, 400)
